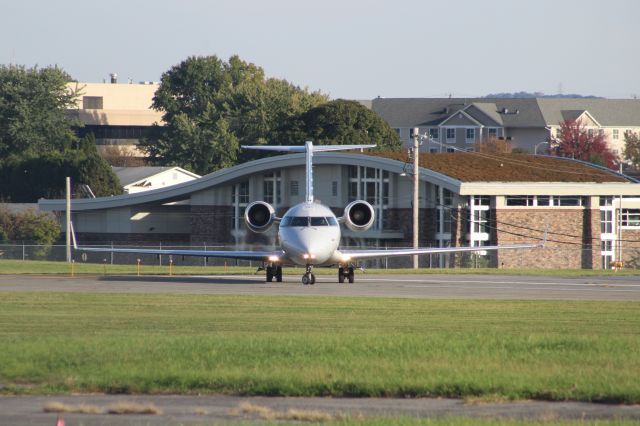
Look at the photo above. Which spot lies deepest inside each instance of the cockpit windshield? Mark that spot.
(309, 221)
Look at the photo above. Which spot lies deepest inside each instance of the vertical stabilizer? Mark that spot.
(308, 149)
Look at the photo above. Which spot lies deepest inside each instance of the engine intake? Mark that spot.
(358, 215)
(259, 216)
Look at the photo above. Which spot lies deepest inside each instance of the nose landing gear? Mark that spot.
(308, 277)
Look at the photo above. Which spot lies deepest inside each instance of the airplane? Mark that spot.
(309, 232)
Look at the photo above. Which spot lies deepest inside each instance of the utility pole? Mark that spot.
(416, 192)
(68, 219)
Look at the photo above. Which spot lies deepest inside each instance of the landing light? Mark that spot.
(346, 258)
(308, 256)
(273, 258)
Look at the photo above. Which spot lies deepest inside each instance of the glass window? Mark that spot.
(299, 221)
(606, 221)
(319, 221)
(606, 245)
(543, 200)
(332, 221)
(631, 217)
(606, 261)
(616, 134)
(471, 133)
(450, 150)
(519, 200)
(481, 221)
(567, 200)
(451, 134)
(493, 131)
(606, 201)
(434, 133)
(481, 200)
(295, 187)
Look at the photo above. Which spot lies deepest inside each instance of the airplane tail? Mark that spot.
(308, 148)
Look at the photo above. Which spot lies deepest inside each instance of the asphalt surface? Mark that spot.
(402, 286)
(177, 409)
(186, 410)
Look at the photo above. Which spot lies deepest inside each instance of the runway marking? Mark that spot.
(595, 288)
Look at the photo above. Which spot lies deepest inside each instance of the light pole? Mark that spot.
(535, 148)
(416, 186)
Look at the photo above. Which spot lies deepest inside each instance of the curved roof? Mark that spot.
(184, 190)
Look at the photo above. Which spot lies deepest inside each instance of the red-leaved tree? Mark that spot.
(575, 141)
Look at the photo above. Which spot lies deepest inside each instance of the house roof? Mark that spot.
(525, 112)
(478, 167)
(129, 175)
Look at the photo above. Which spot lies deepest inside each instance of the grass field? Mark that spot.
(46, 267)
(552, 350)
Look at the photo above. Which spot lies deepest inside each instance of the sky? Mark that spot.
(352, 49)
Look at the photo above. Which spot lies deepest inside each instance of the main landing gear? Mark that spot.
(346, 273)
(274, 271)
(308, 277)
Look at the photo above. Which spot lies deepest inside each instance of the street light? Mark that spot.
(535, 148)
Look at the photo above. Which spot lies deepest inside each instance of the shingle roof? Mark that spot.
(526, 112)
(478, 167)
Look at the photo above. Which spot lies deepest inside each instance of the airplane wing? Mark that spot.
(377, 253)
(241, 255)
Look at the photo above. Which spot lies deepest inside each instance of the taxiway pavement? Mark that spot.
(372, 285)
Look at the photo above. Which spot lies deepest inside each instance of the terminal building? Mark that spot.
(592, 214)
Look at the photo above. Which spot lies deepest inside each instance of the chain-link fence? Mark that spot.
(549, 257)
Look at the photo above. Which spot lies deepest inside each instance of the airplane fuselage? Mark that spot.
(309, 234)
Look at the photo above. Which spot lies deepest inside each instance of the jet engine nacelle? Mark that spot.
(358, 215)
(259, 216)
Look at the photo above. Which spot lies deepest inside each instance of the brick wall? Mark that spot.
(574, 249)
(631, 248)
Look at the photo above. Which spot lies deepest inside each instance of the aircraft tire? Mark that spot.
(313, 279)
(279, 274)
(341, 275)
(269, 274)
(305, 279)
(351, 276)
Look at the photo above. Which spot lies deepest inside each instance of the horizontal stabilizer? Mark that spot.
(303, 148)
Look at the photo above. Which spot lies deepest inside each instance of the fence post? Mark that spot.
(205, 257)
(160, 256)
(111, 252)
(23, 254)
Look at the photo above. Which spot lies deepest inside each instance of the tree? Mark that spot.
(33, 111)
(39, 145)
(32, 226)
(26, 179)
(632, 147)
(210, 107)
(340, 122)
(576, 141)
(493, 145)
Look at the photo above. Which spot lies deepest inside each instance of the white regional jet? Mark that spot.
(309, 232)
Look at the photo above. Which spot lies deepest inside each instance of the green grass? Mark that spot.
(48, 267)
(243, 345)
(463, 421)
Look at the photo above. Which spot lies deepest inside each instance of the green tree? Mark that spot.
(39, 145)
(340, 122)
(26, 179)
(632, 148)
(32, 226)
(210, 107)
(33, 111)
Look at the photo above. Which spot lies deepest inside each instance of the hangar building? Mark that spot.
(592, 214)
